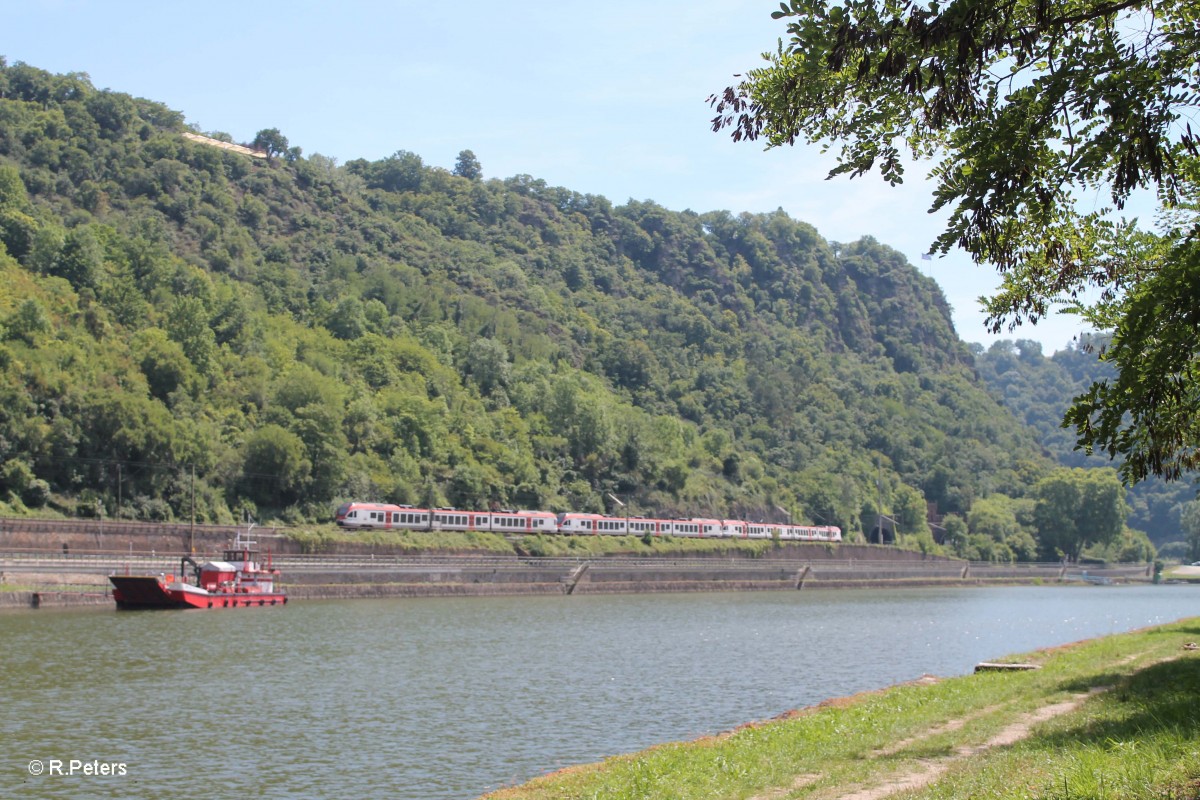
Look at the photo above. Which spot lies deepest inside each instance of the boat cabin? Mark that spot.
(215, 573)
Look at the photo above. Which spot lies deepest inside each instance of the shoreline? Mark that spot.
(450, 579)
(1108, 716)
(70, 568)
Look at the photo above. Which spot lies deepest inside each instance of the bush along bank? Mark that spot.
(1112, 717)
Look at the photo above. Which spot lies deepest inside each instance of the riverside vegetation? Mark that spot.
(189, 332)
(1106, 718)
(1039, 389)
(321, 539)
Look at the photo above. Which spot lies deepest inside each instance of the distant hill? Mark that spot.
(1039, 389)
(186, 328)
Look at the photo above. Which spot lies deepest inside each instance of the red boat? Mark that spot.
(237, 580)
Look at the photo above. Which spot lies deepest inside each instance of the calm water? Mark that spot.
(449, 698)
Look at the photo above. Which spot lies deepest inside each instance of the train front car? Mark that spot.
(363, 515)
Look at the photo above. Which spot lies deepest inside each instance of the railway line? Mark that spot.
(121, 527)
(293, 565)
(62, 559)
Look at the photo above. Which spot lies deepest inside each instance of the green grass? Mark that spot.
(327, 539)
(52, 587)
(1138, 738)
(323, 539)
(556, 545)
(1177, 574)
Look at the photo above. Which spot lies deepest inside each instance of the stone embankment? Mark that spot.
(58, 579)
(57, 564)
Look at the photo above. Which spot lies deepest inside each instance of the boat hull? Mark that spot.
(149, 591)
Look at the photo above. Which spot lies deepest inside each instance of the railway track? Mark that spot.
(104, 563)
(121, 527)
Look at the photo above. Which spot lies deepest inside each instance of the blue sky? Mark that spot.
(603, 98)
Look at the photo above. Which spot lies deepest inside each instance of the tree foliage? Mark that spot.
(297, 333)
(1025, 108)
(271, 142)
(1076, 508)
(468, 166)
(1039, 389)
(1190, 523)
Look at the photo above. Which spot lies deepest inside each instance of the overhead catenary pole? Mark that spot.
(879, 500)
(616, 500)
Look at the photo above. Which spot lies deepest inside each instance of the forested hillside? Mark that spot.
(276, 335)
(1039, 389)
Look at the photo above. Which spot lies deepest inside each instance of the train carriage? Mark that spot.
(734, 529)
(640, 526)
(579, 522)
(524, 522)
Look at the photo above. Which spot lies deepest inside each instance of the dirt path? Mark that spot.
(945, 727)
(932, 769)
(929, 770)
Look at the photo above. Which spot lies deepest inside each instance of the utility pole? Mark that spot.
(622, 505)
(879, 500)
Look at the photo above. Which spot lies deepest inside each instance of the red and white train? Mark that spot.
(387, 516)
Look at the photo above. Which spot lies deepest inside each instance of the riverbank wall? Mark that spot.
(58, 578)
(51, 563)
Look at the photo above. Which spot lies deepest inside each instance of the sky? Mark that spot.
(605, 98)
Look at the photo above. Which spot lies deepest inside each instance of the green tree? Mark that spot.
(80, 259)
(271, 142)
(163, 362)
(188, 325)
(467, 166)
(1078, 507)
(28, 322)
(348, 319)
(487, 364)
(275, 466)
(17, 228)
(956, 533)
(996, 517)
(1132, 547)
(912, 512)
(402, 171)
(1149, 415)
(17, 231)
(1026, 107)
(1189, 521)
(12, 189)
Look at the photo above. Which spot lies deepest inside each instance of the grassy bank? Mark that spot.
(1182, 573)
(1108, 718)
(327, 539)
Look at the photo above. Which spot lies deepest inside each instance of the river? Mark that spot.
(449, 698)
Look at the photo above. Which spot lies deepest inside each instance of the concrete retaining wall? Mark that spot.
(378, 574)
